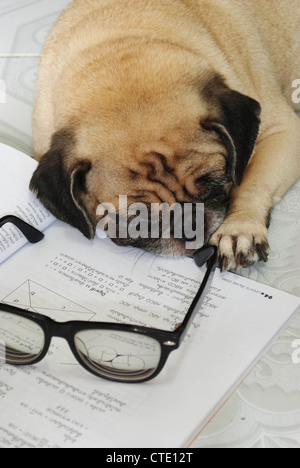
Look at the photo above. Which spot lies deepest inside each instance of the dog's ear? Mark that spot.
(236, 119)
(60, 187)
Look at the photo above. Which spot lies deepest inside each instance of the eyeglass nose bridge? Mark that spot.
(60, 329)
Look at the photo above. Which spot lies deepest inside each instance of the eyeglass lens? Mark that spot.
(21, 340)
(118, 355)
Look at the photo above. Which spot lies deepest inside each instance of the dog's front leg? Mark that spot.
(274, 167)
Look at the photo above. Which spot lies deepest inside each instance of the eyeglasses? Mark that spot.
(31, 234)
(117, 352)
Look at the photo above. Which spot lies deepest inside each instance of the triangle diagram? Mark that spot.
(37, 298)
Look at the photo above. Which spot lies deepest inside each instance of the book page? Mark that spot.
(57, 403)
(16, 198)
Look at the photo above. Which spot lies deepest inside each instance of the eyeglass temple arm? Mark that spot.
(31, 233)
(207, 255)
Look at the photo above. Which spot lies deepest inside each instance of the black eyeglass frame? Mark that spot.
(168, 340)
(32, 234)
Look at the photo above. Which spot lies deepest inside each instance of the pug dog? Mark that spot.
(168, 101)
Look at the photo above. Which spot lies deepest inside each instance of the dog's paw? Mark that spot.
(240, 244)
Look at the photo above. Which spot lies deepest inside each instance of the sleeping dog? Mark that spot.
(168, 101)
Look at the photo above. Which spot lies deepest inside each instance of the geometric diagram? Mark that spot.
(36, 298)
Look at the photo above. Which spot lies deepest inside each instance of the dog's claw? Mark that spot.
(240, 259)
(240, 246)
(262, 251)
(223, 264)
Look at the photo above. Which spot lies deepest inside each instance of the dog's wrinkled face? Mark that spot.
(191, 147)
(182, 165)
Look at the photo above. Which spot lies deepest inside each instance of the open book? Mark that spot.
(56, 403)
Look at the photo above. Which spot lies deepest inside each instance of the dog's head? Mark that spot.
(184, 143)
